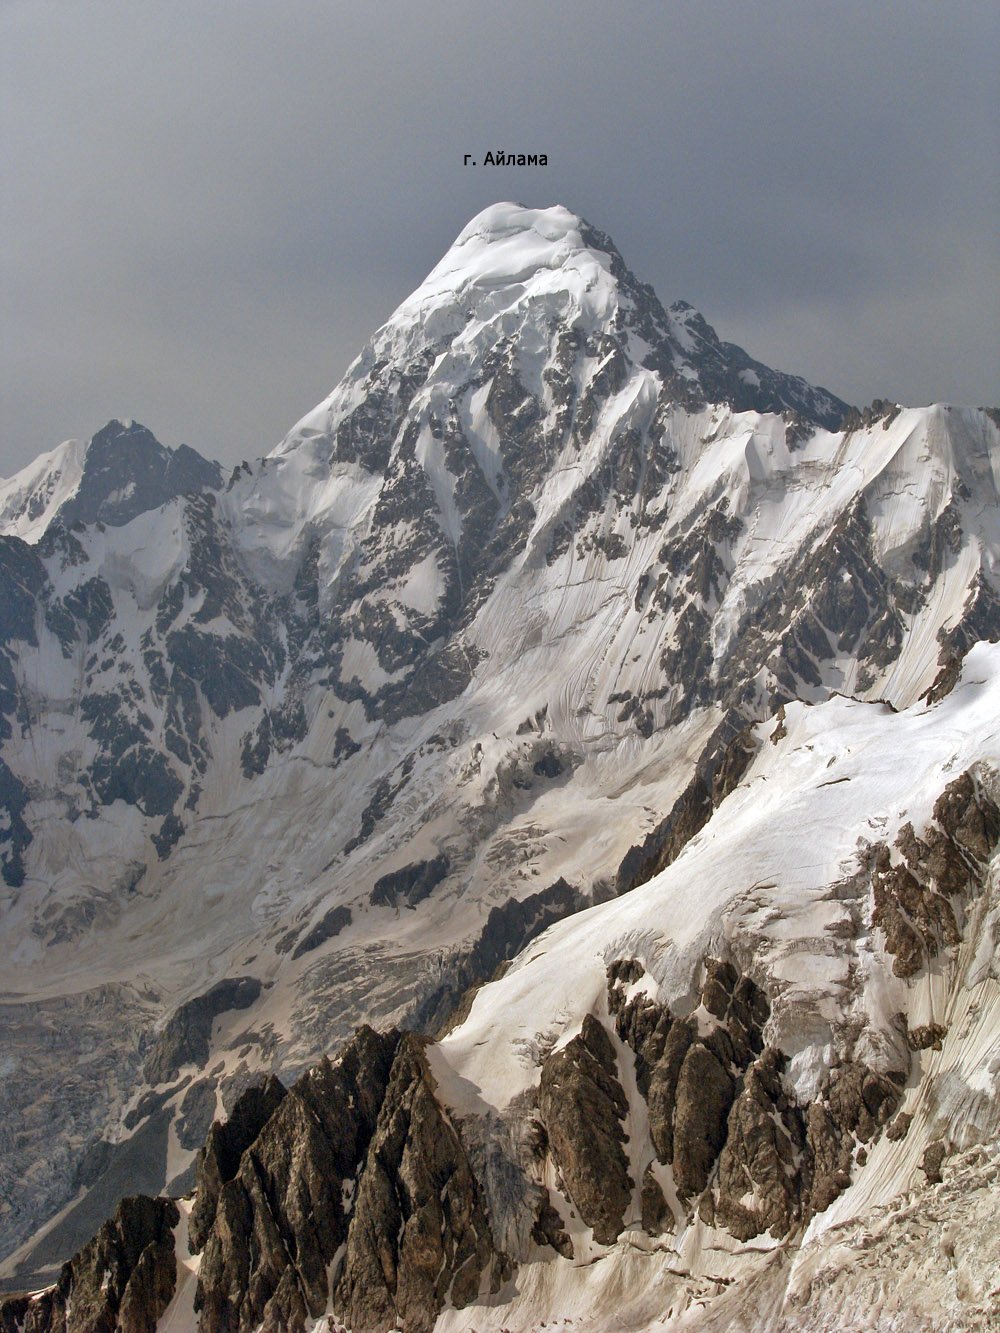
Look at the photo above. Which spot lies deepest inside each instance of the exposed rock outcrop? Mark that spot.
(913, 897)
(760, 1162)
(934, 1155)
(726, 758)
(705, 1092)
(640, 1021)
(411, 884)
(549, 1230)
(184, 1039)
(582, 1106)
(219, 1159)
(691, 1071)
(721, 1117)
(279, 1221)
(418, 1234)
(120, 1282)
(856, 1105)
(508, 928)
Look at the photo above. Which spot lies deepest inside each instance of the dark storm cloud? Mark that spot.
(209, 208)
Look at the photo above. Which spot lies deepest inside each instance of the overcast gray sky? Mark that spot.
(209, 205)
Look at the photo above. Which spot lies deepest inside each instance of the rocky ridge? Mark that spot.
(362, 1196)
(121, 472)
(472, 650)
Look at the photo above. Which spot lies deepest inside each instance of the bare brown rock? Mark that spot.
(934, 1155)
(857, 1104)
(219, 1159)
(916, 920)
(582, 1106)
(120, 1282)
(830, 1155)
(418, 1234)
(926, 1035)
(899, 1126)
(705, 1092)
(766, 1137)
(862, 1100)
(663, 1088)
(969, 818)
(913, 899)
(549, 1230)
(280, 1219)
(710, 1082)
(780, 730)
(640, 1022)
(657, 1218)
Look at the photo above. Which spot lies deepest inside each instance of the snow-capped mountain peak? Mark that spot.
(549, 294)
(557, 601)
(121, 472)
(511, 256)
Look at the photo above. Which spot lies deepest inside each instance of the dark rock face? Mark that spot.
(691, 1082)
(128, 472)
(22, 581)
(548, 1229)
(327, 928)
(219, 1159)
(128, 767)
(329, 925)
(657, 1218)
(926, 1035)
(764, 1144)
(279, 1220)
(916, 920)
(418, 1234)
(411, 884)
(912, 898)
(856, 1105)
(509, 927)
(196, 1114)
(640, 1022)
(726, 757)
(120, 1282)
(358, 1162)
(934, 1155)
(970, 821)
(16, 835)
(582, 1106)
(898, 1127)
(720, 1116)
(705, 1092)
(184, 1040)
(663, 1081)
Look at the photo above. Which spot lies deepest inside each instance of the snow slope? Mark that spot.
(773, 883)
(479, 620)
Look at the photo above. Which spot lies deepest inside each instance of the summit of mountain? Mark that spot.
(555, 599)
(120, 472)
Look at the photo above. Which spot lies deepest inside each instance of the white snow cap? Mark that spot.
(511, 268)
(508, 243)
(501, 224)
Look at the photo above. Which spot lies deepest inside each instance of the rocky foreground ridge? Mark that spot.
(392, 1188)
(565, 639)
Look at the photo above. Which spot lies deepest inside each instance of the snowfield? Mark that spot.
(561, 661)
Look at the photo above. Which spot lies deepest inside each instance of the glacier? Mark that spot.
(563, 641)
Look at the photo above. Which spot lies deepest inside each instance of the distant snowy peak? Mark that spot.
(123, 471)
(30, 499)
(549, 295)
